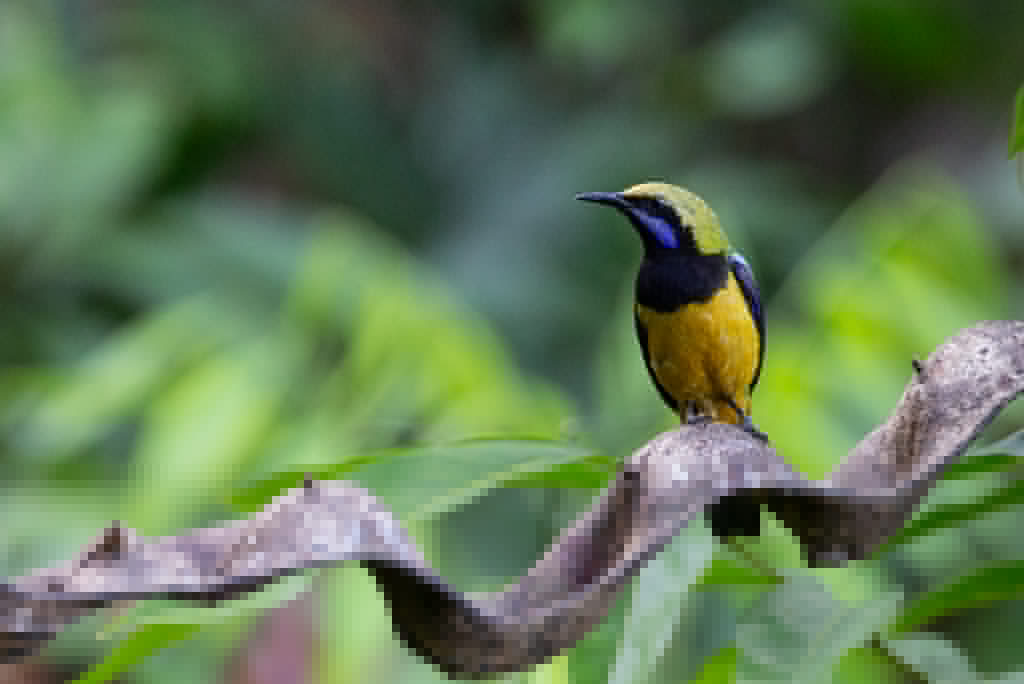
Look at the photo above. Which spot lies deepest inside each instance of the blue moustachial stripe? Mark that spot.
(660, 229)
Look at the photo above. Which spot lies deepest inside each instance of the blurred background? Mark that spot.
(244, 241)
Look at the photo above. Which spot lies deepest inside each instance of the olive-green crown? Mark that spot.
(694, 213)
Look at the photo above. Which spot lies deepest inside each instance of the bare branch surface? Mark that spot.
(951, 396)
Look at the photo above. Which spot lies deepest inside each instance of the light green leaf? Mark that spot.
(119, 376)
(724, 571)
(869, 665)
(425, 481)
(660, 598)
(799, 632)
(199, 433)
(593, 658)
(555, 671)
(149, 626)
(145, 641)
(934, 658)
(719, 668)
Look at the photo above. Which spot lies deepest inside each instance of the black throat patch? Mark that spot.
(674, 278)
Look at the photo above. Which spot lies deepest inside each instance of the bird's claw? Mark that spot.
(747, 425)
(691, 415)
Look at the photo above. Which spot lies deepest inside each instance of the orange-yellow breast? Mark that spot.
(705, 351)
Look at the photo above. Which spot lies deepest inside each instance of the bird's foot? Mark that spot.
(691, 415)
(747, 425)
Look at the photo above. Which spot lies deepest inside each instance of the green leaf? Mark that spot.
(254, 496)
(592, 473)
(659, 601)
(998, 582)
(148, 626)
(946, 508)
(1011, 444)
(555, 671)
(422, 482)
(869, 665)
(999, 456)
(593, 658)
(1017, 125)
(893, 247)
(719, 668)
(724, 571)
(775, 546)
(800, 631)
(952, 515)
(130, 651)
(977, 464)
(934, 658)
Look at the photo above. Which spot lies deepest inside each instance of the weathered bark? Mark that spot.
(950, 398)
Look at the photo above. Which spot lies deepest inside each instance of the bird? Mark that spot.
(698, 312)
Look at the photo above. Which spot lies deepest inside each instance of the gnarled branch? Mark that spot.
(951, 397)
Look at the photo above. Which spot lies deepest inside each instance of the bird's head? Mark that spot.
(667, 217)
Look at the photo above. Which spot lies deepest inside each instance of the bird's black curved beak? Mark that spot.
(612, 199)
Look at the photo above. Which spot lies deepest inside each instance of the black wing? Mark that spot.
(752, 293)
(641, 335)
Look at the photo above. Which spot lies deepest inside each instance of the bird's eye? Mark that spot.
(657, 207)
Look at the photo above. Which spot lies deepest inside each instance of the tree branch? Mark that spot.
(951, 397)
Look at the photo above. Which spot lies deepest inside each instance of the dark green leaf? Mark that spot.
(592, 473)
(255, 496)
(952, 515)
(1017, 125)
(988, 462)
(998, 582)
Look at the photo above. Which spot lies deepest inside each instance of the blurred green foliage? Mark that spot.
(1017, 134)
(240, 243)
